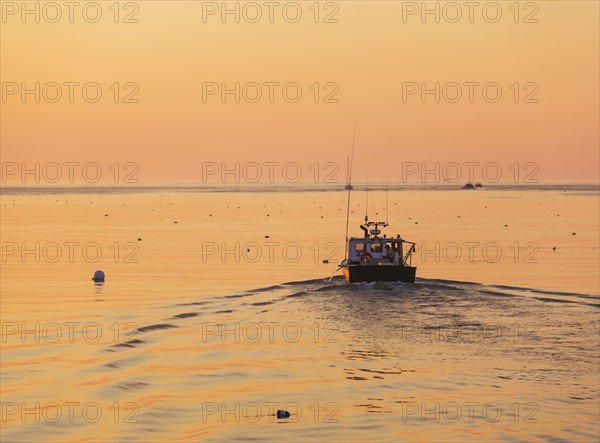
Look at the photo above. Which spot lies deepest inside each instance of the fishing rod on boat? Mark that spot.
(349, 185)
(367, 207)
(352, 156)
(387, 206)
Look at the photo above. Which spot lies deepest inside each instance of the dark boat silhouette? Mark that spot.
(374, 257)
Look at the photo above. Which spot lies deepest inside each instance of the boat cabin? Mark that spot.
(375, 250)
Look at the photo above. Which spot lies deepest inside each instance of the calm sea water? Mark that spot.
(218, 310)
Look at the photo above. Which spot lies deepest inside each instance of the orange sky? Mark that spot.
(367, 59)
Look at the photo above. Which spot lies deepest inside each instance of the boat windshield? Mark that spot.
(376, 247)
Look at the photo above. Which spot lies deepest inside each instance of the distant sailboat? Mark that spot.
(349, 163)
(348, 177)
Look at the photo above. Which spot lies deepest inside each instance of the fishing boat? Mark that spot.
(376, 257)
(469, 185)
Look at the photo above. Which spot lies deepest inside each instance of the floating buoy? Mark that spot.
(281, 413)
(98, 276)
(326, 261)
(139, 239)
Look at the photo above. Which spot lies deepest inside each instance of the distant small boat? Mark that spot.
(478, 185)
(349, 174)
(349, 163)
(469, 186)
